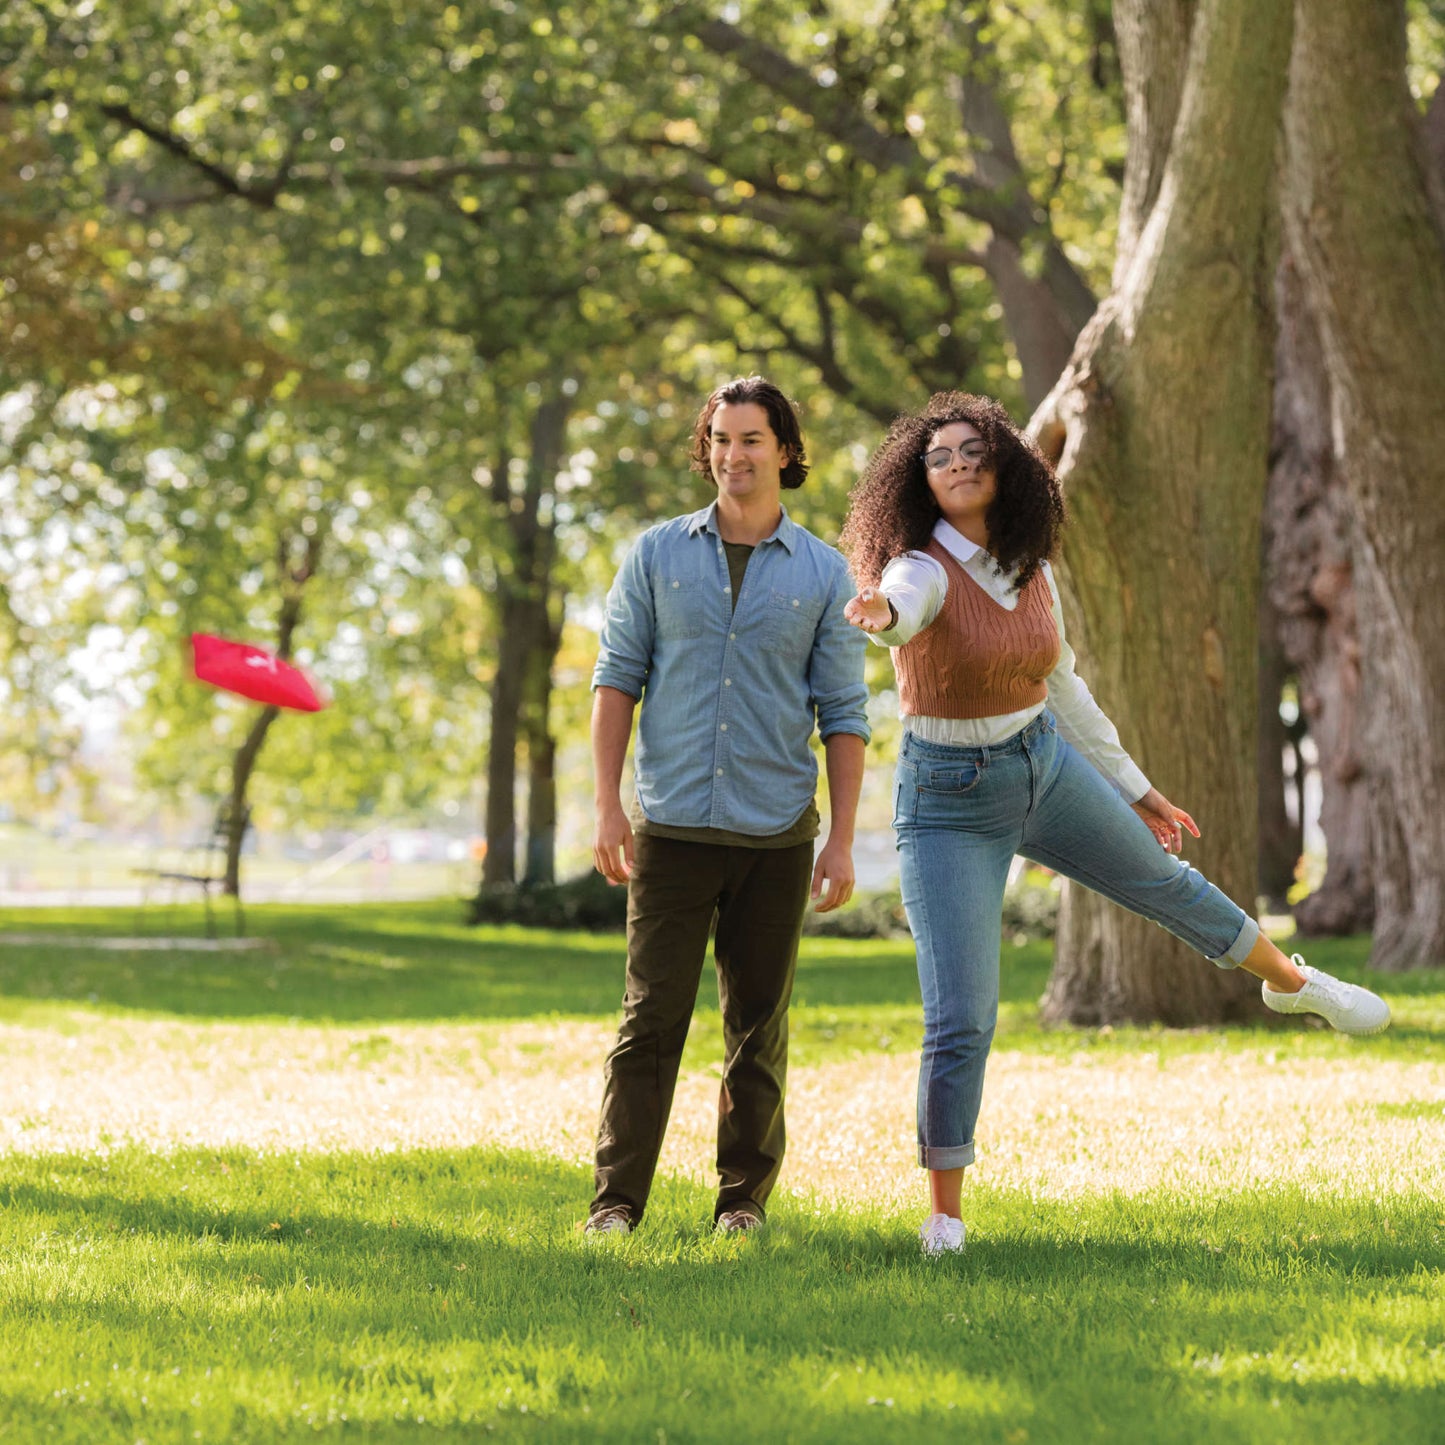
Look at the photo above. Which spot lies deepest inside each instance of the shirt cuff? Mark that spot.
(1131, 782)
(888, 636)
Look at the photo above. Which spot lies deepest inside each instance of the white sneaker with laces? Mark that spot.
(941, 1234)
(612, 1220)
(1345, 1006)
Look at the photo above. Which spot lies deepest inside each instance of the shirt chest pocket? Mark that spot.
(792, 623)
(679, 605)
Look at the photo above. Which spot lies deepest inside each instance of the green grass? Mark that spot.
(249, 1296)
(231, 1297)
(417, 963)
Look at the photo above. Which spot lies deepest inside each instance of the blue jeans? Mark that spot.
(961, 814)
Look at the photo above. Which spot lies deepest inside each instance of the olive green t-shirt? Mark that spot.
(802, 830)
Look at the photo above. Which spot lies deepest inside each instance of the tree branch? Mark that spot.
(168, 140)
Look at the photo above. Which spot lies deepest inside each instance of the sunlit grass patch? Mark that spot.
(264, 1296)
(334, 1189)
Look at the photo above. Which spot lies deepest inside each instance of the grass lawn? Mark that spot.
(330, 1187)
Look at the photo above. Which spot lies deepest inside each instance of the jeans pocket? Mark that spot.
(950, 779)
(905, 797)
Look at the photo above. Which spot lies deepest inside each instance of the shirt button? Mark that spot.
(727, 682)
(795, 602)
(677, 584)
(719, 772)
(723, 727)
(732, 637)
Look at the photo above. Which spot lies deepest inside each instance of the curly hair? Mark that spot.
(892, 510)
(784, 420)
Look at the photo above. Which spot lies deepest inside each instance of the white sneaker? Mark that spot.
(613, 1220)
(1346, 1006)
(941, 1234)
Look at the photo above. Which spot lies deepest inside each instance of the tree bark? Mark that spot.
(541, 852)
(1310, 579)
(1371, 249)
(524, 598)
(237, 818)
(1153, 58)
(1161, 430)
(514, 645)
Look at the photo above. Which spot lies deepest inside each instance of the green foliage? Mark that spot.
(340, 255)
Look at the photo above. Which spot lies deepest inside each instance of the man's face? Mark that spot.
(745, 455)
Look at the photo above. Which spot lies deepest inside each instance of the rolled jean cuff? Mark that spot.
(1240, 949)
(951, 1156)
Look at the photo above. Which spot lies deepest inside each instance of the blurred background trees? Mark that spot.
(433, 295)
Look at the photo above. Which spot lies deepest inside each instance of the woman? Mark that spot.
(1005, 751)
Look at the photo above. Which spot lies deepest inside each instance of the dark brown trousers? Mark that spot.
(758, 896)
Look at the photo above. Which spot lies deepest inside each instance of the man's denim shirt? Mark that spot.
(729, 696)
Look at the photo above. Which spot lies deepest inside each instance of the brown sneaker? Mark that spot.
(742, 1220)
(613, 1220)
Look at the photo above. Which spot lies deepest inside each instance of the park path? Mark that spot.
(1058, 1125)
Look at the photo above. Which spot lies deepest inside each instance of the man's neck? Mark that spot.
(748, 522)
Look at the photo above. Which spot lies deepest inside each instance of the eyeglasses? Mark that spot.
(972, 454)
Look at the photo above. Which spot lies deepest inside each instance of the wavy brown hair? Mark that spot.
(892, 511)
(781, 416)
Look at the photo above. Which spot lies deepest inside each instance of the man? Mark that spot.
(729, 625)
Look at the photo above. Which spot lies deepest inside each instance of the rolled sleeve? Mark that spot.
(624, 657)
(835, 669)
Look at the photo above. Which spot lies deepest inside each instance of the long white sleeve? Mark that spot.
(1082, 721)
(916, 586)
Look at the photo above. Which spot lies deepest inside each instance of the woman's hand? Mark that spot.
(1166, 822)
(870, 610)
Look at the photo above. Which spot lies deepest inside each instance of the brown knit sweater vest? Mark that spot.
(977, 659)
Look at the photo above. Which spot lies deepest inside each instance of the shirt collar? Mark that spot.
(786, 531)
(959, 547)
(956, 543)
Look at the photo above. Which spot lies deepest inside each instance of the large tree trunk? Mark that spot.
(1161, 428)
(525, 598)
(1310, 581)
(292, 578)
(1371, 250)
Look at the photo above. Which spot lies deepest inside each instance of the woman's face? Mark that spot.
(959, 476)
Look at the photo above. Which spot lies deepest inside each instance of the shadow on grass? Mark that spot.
(457, 1280)
(383, 963)
(389, 963)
